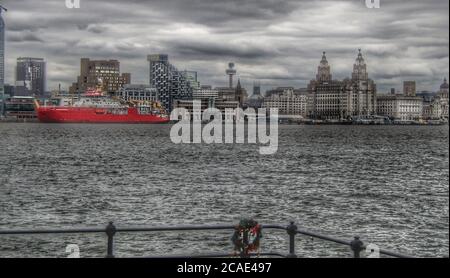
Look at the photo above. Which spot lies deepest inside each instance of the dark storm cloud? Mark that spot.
(278, 43)
(23, 37)
(207, 50)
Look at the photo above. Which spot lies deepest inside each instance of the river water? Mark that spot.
(387, 184)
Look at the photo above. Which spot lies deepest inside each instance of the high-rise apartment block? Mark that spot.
(171, 83)
(104, 72)
(30, 77)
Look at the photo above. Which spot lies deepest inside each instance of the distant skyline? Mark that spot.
(277, 43)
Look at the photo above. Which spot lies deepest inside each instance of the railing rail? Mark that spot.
(356, 245)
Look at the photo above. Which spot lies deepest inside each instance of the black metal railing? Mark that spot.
(356, 245)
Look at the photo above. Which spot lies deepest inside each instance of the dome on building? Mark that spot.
(324, 70)
(444, 85)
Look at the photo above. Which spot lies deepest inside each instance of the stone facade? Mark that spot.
(340, 100)
(400, 107)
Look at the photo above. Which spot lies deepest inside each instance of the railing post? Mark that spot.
(110, 232)
(292, 231)
(357, 246)
(245, 242)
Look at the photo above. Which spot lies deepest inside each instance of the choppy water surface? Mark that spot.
(388, 184)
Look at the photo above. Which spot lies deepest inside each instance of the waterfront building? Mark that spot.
(30, 77)
(288, 103)
(435, 105)
(170, 83)
(361, 91)
(329, 101)
(409, 88)
(340, 100)
(138, 92)
(432, 110)
(206, 94)
(104, 72)
(443, 99)
(219, 104)
(400, 107)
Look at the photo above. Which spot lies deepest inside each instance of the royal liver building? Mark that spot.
(360, 90)
(342, 100)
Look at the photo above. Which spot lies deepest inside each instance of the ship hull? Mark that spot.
(95, 115)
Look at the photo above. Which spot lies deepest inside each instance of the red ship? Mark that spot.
(95, 107)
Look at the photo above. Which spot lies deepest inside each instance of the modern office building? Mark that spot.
(409, 88)
(192, 78)
(170, 83)
(205, 92)
(138, 92)
(219, 104)
(104, 72)
(31, 77)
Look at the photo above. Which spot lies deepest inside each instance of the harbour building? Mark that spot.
(288, 102)
(328, 98)
(361, 91)
(400, 107)
(338, 100)
(436, 107)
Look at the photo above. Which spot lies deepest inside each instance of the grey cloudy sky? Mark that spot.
(278, 43)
